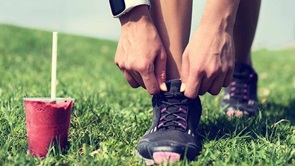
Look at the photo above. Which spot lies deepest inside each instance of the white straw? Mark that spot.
(53, 66)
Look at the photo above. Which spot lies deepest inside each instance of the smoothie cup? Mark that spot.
(47, 123)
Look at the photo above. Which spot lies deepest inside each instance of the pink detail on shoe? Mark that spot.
(245, 97)
(230, 112)
(166, 157)
(251, 75)
(233, 83)
(179, 117)
(182, 110)
(163, 117)
(232, 94)
(163, 110)
(181, 125)
(161, 124)
(232, 89)
(236, 113)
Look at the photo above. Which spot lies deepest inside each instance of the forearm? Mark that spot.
(220, 13)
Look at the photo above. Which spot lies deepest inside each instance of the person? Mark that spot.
(154, 52)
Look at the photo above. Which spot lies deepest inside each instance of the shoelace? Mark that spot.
(175, 118)
(239, 88)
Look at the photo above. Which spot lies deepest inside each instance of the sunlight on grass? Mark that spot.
(109, 117)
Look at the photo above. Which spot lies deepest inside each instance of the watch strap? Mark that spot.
(130, 4)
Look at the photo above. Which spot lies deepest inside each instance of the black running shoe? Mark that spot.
(240, 97)
(172, 135)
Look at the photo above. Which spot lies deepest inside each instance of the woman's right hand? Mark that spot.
(140, 53)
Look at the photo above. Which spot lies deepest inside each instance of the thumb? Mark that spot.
(160, 70)
(184, 71)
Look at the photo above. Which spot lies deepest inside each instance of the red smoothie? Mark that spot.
(47, 123)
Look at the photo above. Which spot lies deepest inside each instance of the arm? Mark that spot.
(140, 53)
(208, 60)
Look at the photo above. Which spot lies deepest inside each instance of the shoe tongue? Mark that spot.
(173, 85)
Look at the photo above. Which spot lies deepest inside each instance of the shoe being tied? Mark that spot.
(240, 97)
(172, 135)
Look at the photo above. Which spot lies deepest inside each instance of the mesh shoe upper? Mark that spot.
(241, 94)
(174, 124)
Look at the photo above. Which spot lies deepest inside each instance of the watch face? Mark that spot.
(117, 6)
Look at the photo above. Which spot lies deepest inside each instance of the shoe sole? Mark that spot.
(236, 113)
(160, 158)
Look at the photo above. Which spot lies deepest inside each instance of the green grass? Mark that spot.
(109, 117)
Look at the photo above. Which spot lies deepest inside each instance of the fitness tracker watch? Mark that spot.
(121, 7)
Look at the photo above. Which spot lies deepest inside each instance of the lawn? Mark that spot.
(109, 117)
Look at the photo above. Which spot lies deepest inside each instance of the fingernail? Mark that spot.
(163, 87)
(182, 87)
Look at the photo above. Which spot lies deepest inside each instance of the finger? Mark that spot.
(216, 85)
(184, 71)
(136, 76)
(228, 77)
(205, 85)
(192, 85)
(160, 70)
(150, 81)
(132, 82)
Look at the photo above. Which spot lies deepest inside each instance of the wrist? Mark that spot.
(137, 14)
(220, 14)
(221, 24)
(121, 7)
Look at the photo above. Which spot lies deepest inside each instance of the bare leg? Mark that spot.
(172, 19)
(244, 32)
(245, 27)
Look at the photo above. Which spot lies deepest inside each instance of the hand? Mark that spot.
(208, 61)
(140, 53)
